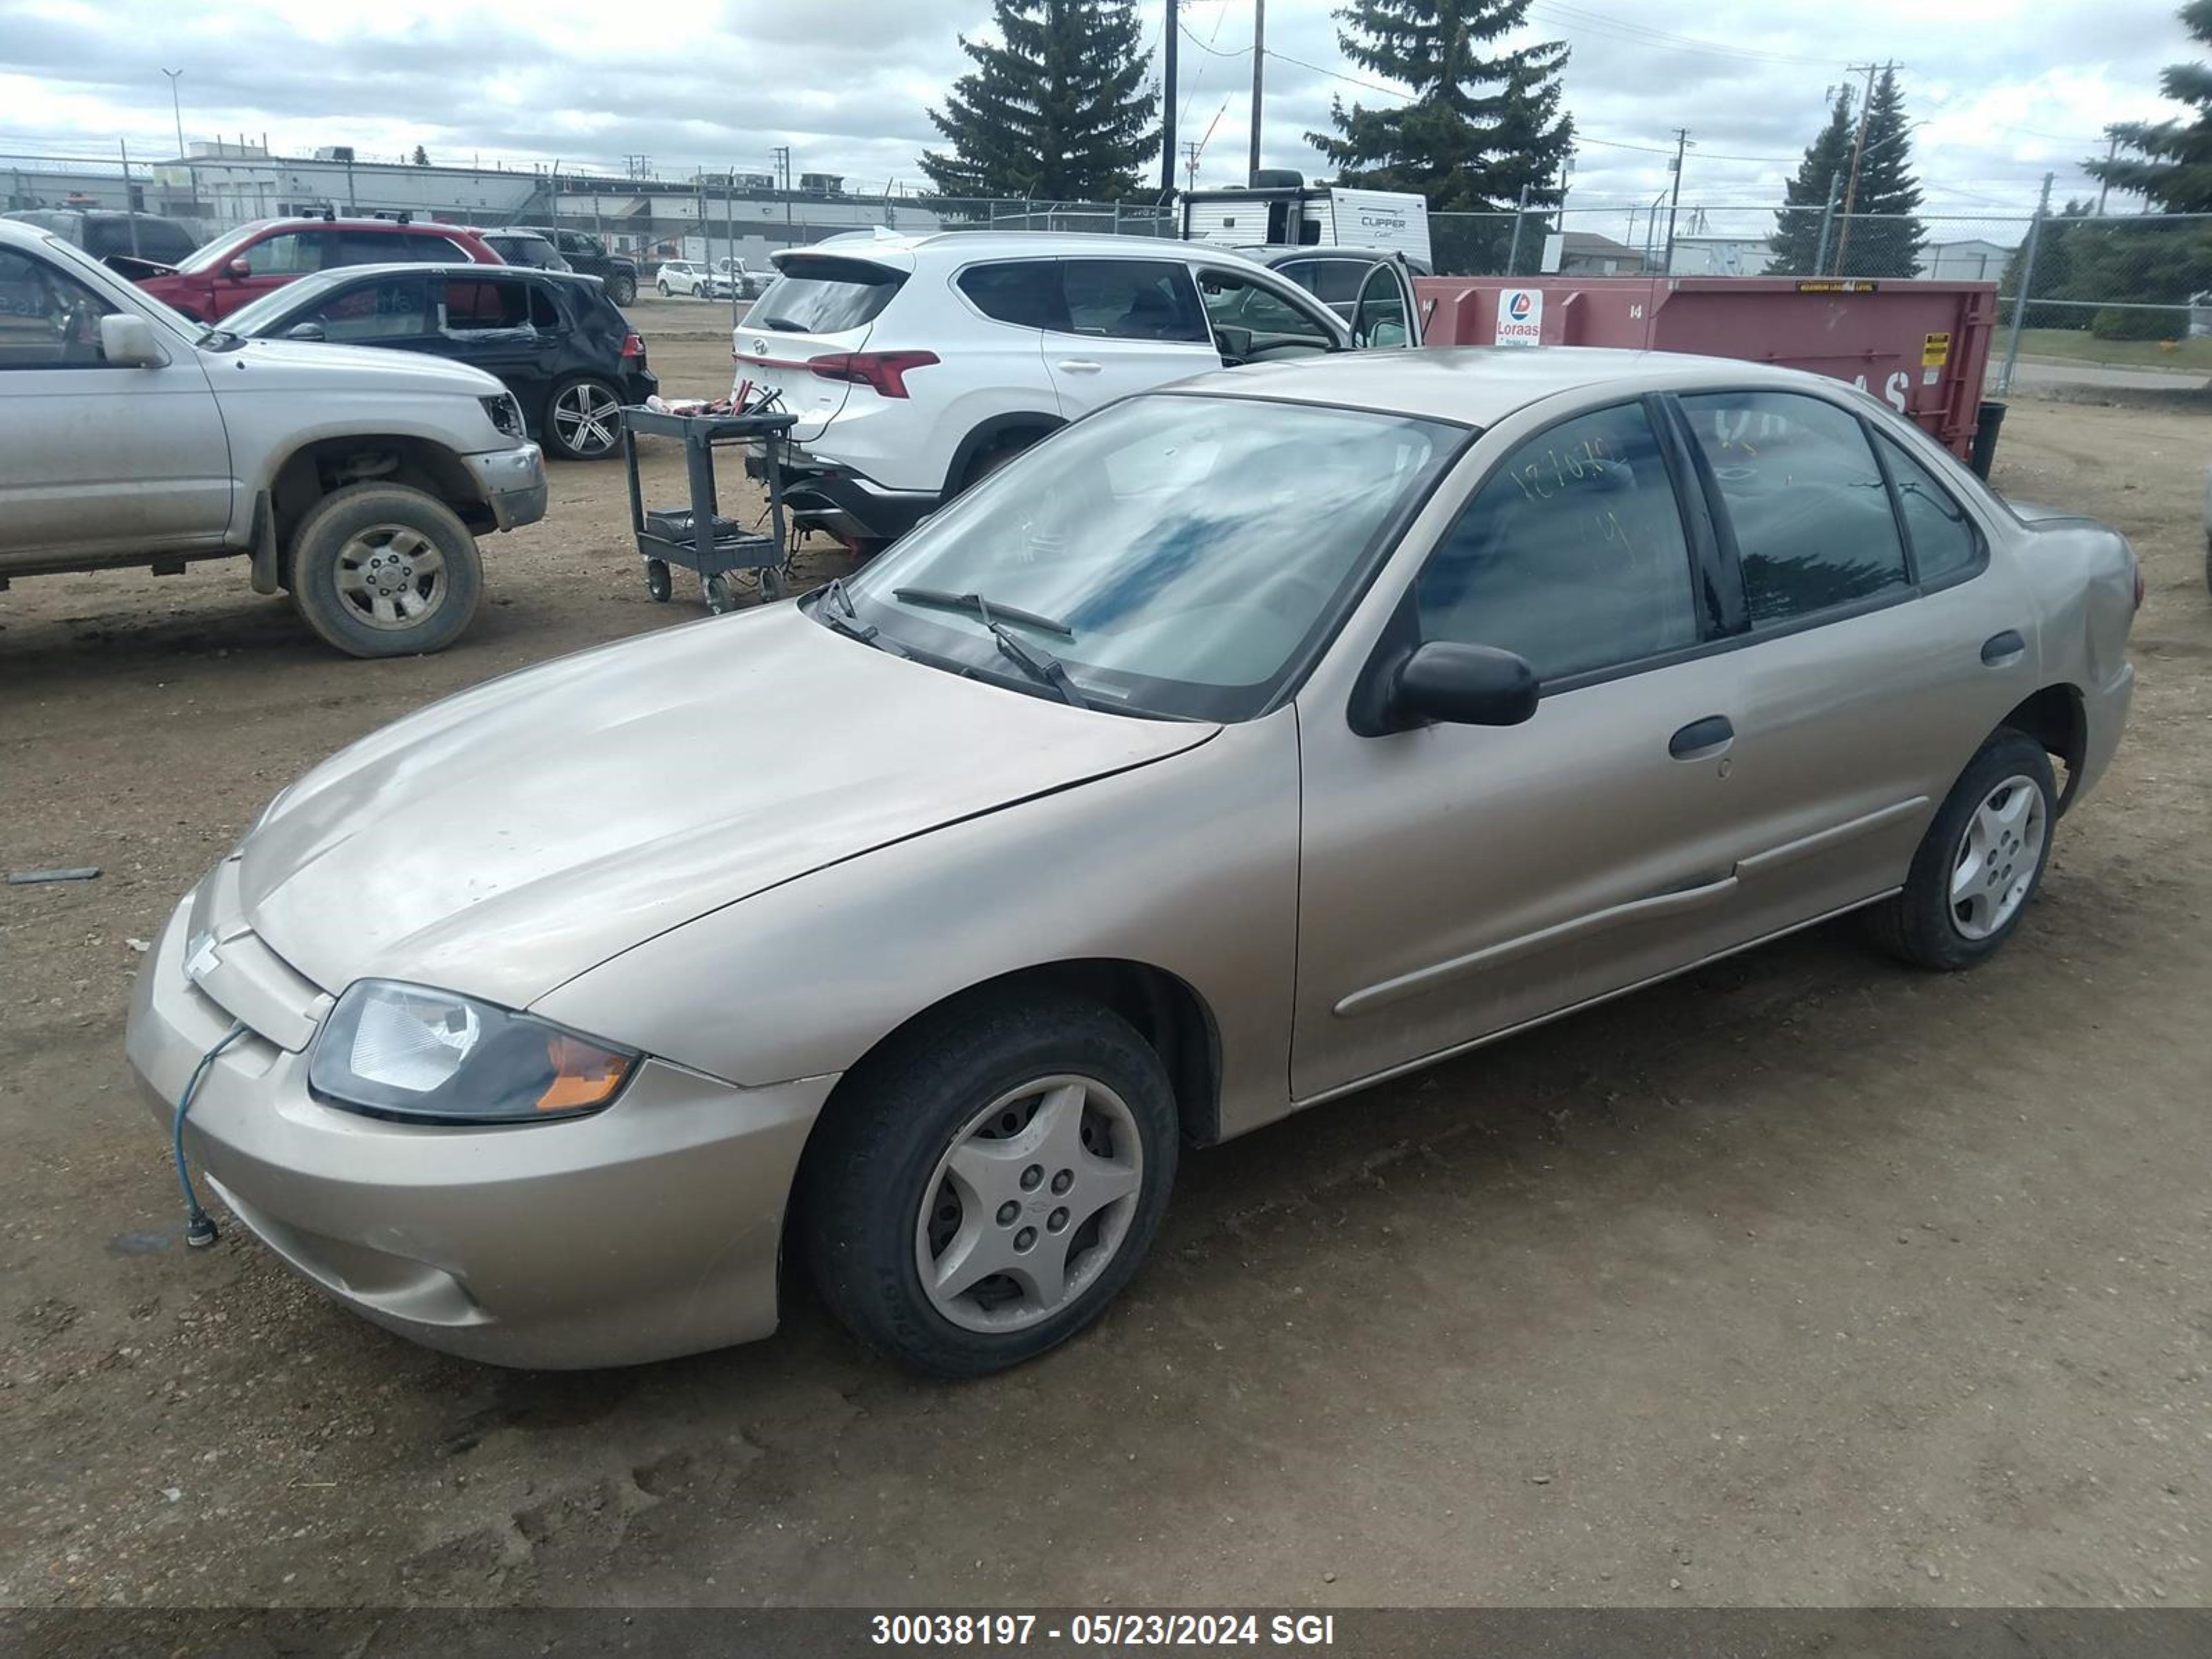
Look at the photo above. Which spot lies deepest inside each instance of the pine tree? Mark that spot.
(1479, 128)
(1798, 224)
(1062, 110)
(1881, 237)
(421, 156)
(2170, 162)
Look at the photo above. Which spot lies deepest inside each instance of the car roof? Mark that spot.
(905, 252)
(1274, 252)
(1479, 385)
(315, 280)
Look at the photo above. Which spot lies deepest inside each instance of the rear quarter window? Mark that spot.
(819, 296)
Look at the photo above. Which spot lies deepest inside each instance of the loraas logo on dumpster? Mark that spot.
(1521, 317)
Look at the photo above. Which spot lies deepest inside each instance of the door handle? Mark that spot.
(2000, 650)
(1079, 366)
(1701, 739)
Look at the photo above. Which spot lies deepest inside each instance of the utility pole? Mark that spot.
(1190, 149)
(2104, 185)
(782, 153)
(1827, 224)
(1259, 81)
(176, 109)
(1168, 106)
(1674, 205)
(129, 208)
(1520, 218)
(1858, 149)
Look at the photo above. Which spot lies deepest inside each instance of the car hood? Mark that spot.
(506, 840)
(259, 365)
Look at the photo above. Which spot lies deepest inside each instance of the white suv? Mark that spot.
(917, 364)
(686, 276)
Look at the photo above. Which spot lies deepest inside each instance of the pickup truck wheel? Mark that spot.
(621, 288)
(382, 570)
(583, 419)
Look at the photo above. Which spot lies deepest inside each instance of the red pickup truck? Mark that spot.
(246, 263)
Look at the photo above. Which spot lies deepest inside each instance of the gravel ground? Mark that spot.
(1805, 1280)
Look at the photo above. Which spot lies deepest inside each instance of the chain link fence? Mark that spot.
(2074, 286)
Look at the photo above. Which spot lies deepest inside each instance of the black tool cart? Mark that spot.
(698, 537)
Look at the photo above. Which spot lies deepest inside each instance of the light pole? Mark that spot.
(177, 110)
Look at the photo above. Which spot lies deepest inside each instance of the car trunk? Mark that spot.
(820, 306)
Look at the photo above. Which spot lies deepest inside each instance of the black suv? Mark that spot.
(524, 247)
(570, 358)
(589, 255)
(127, 242)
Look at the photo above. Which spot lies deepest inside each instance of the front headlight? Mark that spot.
(506, 414)
(426, 1056)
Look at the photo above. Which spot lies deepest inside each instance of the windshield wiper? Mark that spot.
(982, 607)
(1040, 665)
(786, 323)
(849, 626)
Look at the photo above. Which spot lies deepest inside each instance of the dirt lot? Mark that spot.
(1805, 1280)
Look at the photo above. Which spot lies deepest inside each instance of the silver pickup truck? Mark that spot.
(356, 480)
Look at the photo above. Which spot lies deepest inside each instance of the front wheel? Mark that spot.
(383, 570)
(621, 288)
(664, 289)
(1980, 862)
(583, 419)
(980, 1191)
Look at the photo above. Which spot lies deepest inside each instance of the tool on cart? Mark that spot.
(698, 537)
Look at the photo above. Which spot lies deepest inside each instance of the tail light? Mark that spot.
(632, 345)
(884, 372)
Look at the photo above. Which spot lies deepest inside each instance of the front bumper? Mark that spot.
(849, 505)
(648, 1230)
(513, 484)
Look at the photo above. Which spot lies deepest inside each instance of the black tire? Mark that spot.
(328, 574)
(882, 1137)
(621, 288)
(663, 286)
(603, 395)
(992, 459)
(656, 580)
(1921, 924)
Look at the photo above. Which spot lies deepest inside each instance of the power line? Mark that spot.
(1665, 41)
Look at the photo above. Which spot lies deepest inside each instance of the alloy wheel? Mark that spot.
(588, 417)
(392, 577)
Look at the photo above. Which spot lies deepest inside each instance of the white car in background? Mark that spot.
(919, 364)
(688, 276)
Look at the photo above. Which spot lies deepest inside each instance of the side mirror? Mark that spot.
(128, 341)
(304, 331)
(238, 270)
(1463, 685)
(1234, 344)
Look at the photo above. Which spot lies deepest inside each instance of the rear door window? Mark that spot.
(1132, 300)
(1023, 292)
(1812, 517)
(291, 254)
(1944, 538)
(479, 304)
(817, 294)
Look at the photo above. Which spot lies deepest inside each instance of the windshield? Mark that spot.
(1188, 552)
(221, 250)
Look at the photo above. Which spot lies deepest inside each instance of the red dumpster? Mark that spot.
(1921, 347)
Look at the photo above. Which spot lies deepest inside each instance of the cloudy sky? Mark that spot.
(2005, 89)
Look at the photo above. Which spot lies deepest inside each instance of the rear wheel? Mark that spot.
(583, 419)
(382, 570)
(621, 288)
(1980, 862)
(983, 1188)
(995, 457)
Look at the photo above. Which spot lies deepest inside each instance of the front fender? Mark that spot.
(1188, 865)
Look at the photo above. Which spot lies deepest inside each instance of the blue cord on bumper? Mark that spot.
(199, 1226)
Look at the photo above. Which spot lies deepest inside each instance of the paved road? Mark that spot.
(2042, 373)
